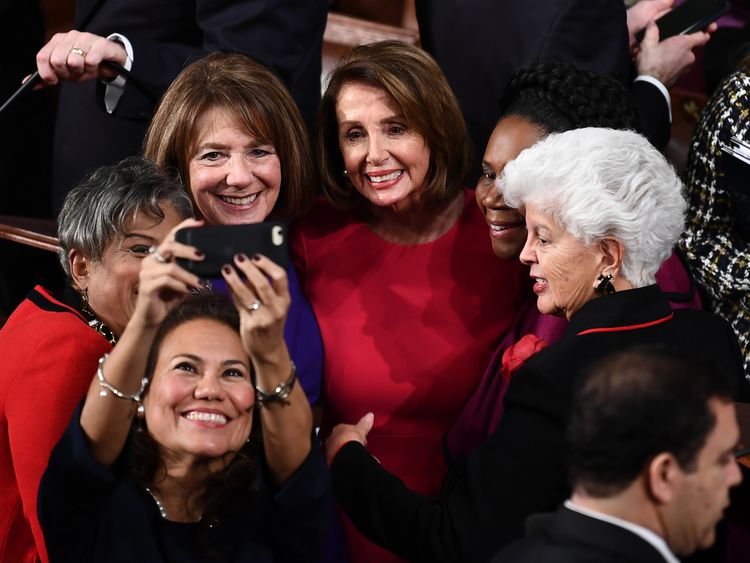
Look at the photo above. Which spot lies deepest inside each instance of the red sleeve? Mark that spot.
(49, 381)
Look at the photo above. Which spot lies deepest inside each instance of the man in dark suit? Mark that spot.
(100, 123)
(650, 446)
(479, 44)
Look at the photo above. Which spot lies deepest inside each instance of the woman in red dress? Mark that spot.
(396, 263)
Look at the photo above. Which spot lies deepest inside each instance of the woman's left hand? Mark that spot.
(263, 303)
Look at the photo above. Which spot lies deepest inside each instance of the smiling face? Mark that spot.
(199, 402)
(386, 161)
(234, 178)
(512, 135)
(690, 520)
(564, 269)
(112, 283)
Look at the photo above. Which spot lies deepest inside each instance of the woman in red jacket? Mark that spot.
(52, 342)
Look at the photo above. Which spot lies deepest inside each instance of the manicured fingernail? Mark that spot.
(240, 257)
(256, 257)
(227, 269)
(199, 254)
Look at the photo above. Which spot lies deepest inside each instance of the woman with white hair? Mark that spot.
(611, 214)
(603, 210)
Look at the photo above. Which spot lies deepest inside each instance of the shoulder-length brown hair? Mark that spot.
(259, 103)
(414, 80)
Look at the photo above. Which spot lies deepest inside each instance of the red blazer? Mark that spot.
(49, 356)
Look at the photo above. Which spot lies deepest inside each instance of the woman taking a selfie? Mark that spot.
(193, 442)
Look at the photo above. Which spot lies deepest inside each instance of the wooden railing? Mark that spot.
(37, 233)
(344, 32)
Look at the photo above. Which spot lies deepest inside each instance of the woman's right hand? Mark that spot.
(344, 433)
(76, 56)
(162, 283)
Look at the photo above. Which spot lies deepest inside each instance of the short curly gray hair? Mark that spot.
(603, 183)
(98, 209)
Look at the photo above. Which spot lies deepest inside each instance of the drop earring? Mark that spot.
(605, 287)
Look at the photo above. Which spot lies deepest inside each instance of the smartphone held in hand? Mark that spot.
(220, 243)
(688, 17)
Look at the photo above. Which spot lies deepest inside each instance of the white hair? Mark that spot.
(603, 183)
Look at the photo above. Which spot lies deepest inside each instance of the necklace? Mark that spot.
(159, 505)
(95, 322)
(163, 511)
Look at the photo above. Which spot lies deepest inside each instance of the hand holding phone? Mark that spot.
(689, 17)
(220, 243)
(667, 60)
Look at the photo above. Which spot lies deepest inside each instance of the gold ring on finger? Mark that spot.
(78, 51)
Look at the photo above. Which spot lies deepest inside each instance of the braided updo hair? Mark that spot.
(558, 97)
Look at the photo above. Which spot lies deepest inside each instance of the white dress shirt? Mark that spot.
(647, 535)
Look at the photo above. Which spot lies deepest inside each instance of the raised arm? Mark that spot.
(106, 417)
(263, 302)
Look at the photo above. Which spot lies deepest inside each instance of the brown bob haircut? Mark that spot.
(414, 80)
(260, 105)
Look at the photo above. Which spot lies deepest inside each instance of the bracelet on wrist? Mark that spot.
(109, 388)
(281, 392)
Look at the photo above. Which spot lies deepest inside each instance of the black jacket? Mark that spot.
(571, 537)
(520, 470)
(479, 44)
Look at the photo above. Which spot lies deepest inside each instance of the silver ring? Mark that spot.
(78, 51)
(254, 306)
(153, 251)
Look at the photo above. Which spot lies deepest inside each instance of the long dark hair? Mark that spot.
(232, 489)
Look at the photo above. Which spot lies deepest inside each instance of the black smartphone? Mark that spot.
(220, 243)
(689, 17)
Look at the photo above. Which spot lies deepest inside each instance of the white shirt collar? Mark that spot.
(647, 535)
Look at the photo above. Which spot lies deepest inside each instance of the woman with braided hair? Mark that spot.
(541, 99)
